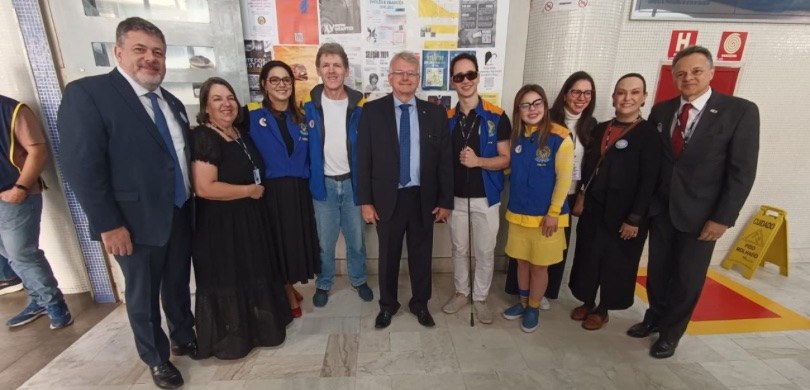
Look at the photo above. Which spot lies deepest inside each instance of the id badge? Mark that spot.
(257, 176)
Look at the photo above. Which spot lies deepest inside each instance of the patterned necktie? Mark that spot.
(680, 128)
(163, 128)
(404, 145)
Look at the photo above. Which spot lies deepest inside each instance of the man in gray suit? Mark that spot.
(128, 163)
(711, 143)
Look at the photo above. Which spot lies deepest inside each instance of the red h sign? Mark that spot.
(681, 39)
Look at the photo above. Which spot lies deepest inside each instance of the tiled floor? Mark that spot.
(337, 348)
(27, 349)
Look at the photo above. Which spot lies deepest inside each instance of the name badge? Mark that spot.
(257, 176)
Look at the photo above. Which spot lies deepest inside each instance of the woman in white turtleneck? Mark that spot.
(573, 108)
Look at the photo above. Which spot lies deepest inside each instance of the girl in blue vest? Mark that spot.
(542, 164)
(277, 127)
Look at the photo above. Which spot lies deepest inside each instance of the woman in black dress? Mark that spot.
(281, 136)
(240, 299)
(613, 226)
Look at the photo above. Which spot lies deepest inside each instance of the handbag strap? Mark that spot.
(602, 157)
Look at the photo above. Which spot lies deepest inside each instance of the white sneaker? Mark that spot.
(483, 312)
(545, 304)
(455, 303)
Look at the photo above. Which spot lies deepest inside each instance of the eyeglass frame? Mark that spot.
(536, 104)
(275, 81)
(577, 93)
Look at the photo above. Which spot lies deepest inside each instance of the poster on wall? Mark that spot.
(371, 32)
(795, 11)
(439, 23)
(297, 22)
(476, 23)
(385, 23)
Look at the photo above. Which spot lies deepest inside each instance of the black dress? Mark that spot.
(240, 299)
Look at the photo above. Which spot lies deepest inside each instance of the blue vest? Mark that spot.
(9, 173)
(533, 175)
(267, 136)
(490, 115)
(313, 111)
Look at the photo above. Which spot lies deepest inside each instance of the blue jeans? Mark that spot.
(338, 212)
(6, 273)
(19, 243)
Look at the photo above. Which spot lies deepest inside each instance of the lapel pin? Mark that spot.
(263, 122)
(713, 111)
(184, 117)
(660, 128)
(621, 144)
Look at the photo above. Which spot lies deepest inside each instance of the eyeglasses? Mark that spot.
(459, 77)
(577, 93)
(277, 80)
(402, 73)
(537, 105)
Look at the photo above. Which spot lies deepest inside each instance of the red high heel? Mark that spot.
(296, 313)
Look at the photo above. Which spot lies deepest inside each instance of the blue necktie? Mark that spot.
(163, 127)
(404, 145)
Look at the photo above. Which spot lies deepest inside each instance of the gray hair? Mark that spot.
(694, 50)
(136, 24)
(406, 56)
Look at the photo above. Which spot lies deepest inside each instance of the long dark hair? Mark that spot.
(557, 110)
(205, 92)
(519, 128)
(292, 103)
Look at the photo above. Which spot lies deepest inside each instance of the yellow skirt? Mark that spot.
(529, 244)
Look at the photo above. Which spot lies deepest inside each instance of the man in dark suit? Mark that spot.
(711, 143)
(128, 163)
(405, 183)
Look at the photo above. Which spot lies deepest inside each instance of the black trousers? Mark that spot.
(155, 274)
(555, 271)
(407, 222)
(675, 276)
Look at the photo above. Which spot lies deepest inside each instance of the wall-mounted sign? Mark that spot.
(680, 40)
(732, 44)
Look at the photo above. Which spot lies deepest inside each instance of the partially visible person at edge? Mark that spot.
(129, 166)
(573, 109)
(332, 113)
(542, 165)
(277, 127)
(711, 146)
(624, 162)
(480, 136)
(405, 184)
(240, 301)
(25, 152)
(9, 281)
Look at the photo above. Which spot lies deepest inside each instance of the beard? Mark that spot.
(146, 79)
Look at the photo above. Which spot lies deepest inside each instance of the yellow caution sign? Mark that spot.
(764, 239)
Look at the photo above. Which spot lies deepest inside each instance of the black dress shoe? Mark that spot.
(424, 317)
(383, 319)
(663, 348)
(642, 329)
(188, 349)
(166, 376)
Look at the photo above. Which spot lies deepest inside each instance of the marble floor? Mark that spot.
(337, 347)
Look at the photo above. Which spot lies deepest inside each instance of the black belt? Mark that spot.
(345, 176)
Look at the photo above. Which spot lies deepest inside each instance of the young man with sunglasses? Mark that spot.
(480, 137)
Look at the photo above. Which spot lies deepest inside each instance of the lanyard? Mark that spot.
(687, 133)
(241, 142)
(466, 131)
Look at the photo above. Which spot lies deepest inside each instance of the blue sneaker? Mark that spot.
(27, 315)
(60, 315)
(320, 298)
(531, 320)
(514, 312)
(364, 291)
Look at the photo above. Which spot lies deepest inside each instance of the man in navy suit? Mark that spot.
(127, 160)
(405, 183)
(711, 143)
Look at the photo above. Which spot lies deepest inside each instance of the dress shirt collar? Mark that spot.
(397, 102)
(698, 103)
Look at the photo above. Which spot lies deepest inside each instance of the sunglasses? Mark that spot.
(459, 77)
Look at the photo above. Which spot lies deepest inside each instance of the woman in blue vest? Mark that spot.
(278, 129)
(542, 164)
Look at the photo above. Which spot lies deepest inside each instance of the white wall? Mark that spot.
(773, 75)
